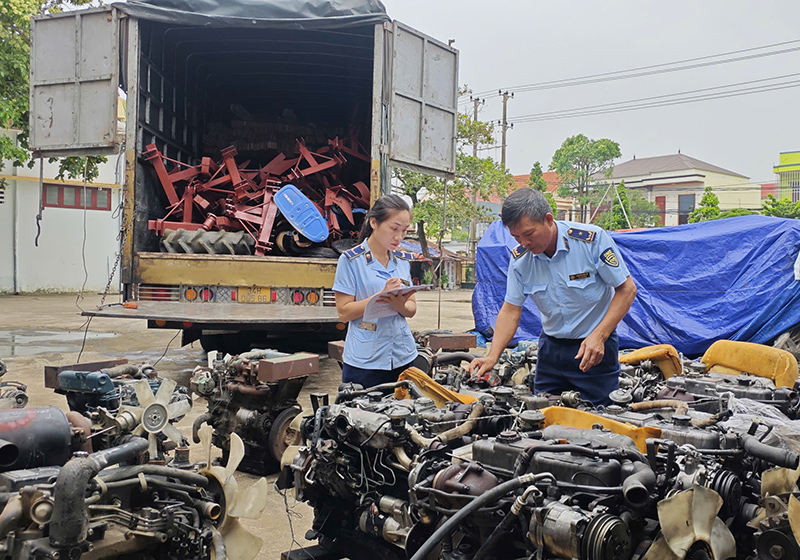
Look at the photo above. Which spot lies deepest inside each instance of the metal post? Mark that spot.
(441, 257)
(473, 223)
(504, 124)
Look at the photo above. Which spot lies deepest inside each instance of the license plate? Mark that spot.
(253, 295)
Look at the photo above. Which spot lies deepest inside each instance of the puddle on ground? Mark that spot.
(33, 342)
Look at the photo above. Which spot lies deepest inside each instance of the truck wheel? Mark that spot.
(282, 435)
(211, 342)
(207, 242)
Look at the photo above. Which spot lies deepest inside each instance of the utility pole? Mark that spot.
(504, 124)
(473, 223)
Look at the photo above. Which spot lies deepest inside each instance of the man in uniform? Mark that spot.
(576, 277)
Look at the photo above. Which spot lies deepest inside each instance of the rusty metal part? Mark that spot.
(232, 197)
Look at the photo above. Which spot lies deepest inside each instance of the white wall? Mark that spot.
(57, 264)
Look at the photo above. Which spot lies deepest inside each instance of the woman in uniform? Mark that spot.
(377, 351)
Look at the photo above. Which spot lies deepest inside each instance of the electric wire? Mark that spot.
(654, 69)
(167, 348)
(660, 97)
(585, 113)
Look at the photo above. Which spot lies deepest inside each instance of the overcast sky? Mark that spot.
(509, 43)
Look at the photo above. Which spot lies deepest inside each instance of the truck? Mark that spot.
(271, 72)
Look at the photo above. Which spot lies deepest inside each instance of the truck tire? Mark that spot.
(281, 434)
(207, 242)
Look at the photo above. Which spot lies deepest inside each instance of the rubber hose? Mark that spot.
(680, 406)
(218, 542)
(461, 430)
(524, 459)
(774, 455)
(491, 496)
(501, 529)
(206, 417)
(70, 519)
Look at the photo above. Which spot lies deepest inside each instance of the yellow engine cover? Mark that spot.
(663, 355)
(732, 356)
(440, 395)
(562, 416)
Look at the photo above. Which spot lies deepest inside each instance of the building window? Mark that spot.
(685, 207)
(72, 196)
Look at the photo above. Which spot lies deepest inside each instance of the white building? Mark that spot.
(77, 236)
(675, 183)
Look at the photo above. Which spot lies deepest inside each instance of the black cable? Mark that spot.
(666, 95)
(637, 72)
(738, 93)
(85, 334)
(166, 349)
(378, 429)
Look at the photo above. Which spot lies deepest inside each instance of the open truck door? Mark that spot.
(74, 77)
(420, 102)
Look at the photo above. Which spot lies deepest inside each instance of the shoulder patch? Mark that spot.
(406, 256)
(518, 251)
(582, 234)
(354, 252)
(610, 258)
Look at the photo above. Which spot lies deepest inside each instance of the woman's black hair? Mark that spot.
(382, 210)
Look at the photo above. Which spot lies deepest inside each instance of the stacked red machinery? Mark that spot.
(231, 197)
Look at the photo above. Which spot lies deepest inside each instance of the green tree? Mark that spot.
(15, 17)
(783, 208)
(579, 161)
(734, 212)
(482, 176)
(538, 182)
(708, 208)
(640, 212)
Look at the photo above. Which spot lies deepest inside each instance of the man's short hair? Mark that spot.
(525, 202)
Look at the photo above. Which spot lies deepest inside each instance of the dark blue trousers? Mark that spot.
(557, 370)
(370, 377)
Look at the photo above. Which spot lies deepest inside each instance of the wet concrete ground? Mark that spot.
(36, 331)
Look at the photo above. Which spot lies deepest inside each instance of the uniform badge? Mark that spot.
(368, 256)
(582, 234)
(518, 251)
(566, 243)
(610, 258)
(367, 326)
(579, 276)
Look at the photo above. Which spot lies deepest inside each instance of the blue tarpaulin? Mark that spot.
(723, 279)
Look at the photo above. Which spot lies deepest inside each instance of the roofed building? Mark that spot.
(675, 183)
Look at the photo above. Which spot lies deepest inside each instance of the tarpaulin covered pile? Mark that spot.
(724, 279)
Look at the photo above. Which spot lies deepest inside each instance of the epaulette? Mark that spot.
(354, 252)
(407, 256)
(582, 234)
(518, 251)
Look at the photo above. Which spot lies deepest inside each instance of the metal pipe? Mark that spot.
(459, 431)
(80, 422)
(122, 473)
(10, 516)
(70, 520)
(9, 453)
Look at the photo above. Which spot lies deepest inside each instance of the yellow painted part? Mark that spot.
(663, 355)
(234, 270)
(756, 359)
(562, 416)
(440, 395)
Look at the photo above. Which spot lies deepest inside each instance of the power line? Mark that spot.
(664, 96)
(735, 93)
(654, 69)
